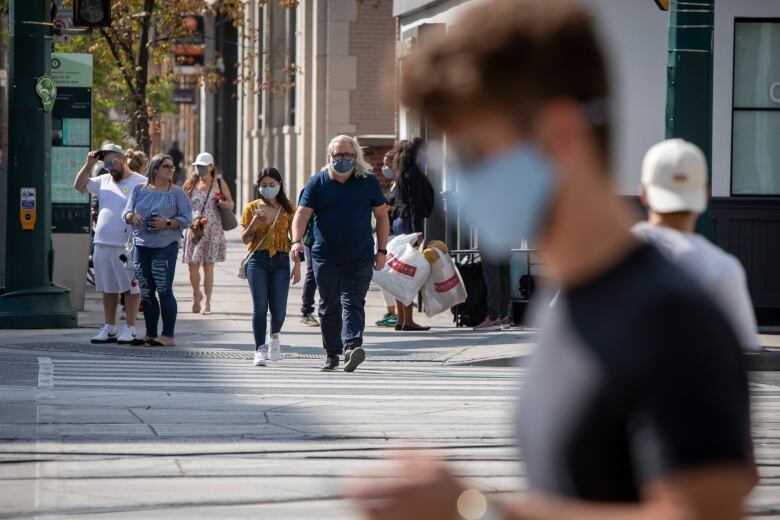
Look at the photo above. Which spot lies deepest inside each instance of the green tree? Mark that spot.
(134, 59)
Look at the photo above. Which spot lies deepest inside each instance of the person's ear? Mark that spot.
(643, 196)
(563, 132)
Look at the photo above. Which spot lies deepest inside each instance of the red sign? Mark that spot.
(405, 269)
(447, 285)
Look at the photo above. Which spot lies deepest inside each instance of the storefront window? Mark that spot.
(756, 119)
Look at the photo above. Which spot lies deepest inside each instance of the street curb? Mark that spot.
(503, 362)
(762, 361)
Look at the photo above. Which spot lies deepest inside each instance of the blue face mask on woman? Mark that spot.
(387, 172)
(343, 166)
(507, 197)
(269, 192)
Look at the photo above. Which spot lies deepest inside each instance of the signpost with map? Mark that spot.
(71, 129)
(71, 140)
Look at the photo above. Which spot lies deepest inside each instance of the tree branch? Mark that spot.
(115, 53)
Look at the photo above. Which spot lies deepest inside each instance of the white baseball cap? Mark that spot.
(109, 148)
(674, 177)
(203, 159)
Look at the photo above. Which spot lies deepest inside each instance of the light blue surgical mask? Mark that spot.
(507, 197)
(269, 192)
(343, 166)
(422, 162)
(387, 172)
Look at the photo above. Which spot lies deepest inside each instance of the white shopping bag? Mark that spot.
(405, 271)
(444, 288)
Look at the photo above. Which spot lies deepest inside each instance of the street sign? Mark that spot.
(184, 96)
(71, 138)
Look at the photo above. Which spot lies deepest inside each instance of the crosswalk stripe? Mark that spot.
(384, 383)
(250, 384)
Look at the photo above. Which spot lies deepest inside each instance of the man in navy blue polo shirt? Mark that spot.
(341, 198)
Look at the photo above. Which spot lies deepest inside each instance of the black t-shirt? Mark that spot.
(637, 374)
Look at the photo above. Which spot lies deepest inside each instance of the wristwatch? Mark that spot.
(383, 251)
(168, 223)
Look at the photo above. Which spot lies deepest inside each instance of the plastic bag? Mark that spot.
(444, 288)
(406, 269)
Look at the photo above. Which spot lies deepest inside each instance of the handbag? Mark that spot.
(242, 266)
(197, 232)
(228, 218)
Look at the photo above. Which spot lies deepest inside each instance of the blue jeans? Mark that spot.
(154, 270)
(269, 283)
(343, 290)
(309, 285)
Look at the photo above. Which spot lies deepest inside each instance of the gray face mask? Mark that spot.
(202, 170)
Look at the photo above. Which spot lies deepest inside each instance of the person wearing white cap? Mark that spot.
(113, 275)
(674, 189)
(205, 240)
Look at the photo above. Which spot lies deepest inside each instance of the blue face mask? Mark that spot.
(507, 197)
(269, 192)
(387, 172)
(422, 162)
(343, 166)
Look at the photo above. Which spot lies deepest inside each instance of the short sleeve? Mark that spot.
(696, 383)
(308, 197)
(130, 205)
(247, 214)
(93, 184)
(375, 194)
(732, 292)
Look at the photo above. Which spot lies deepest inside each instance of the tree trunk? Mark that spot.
(141, 114)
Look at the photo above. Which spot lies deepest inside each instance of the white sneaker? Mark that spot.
(275, 350)
(128, 335)
(260, 357)
(107, 334)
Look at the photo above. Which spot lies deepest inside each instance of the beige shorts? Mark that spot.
(111, 275)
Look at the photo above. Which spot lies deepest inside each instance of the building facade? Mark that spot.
(745, 168)
(309, 73)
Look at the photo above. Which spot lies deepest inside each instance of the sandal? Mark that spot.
(196, 303)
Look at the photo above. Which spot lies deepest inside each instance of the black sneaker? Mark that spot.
(331, 363)
(356, 356)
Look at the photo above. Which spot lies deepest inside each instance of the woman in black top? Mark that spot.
(413, 196)
(412, 201)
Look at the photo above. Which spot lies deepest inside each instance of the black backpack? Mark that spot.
(473, 311)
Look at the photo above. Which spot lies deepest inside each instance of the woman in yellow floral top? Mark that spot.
(266, 223)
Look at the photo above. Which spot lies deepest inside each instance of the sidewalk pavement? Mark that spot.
(227, 332)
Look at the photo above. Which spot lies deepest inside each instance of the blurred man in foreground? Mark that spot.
(636, 402)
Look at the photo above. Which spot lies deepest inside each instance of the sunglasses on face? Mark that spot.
(166, 167)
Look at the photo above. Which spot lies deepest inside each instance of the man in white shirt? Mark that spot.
(674, 189)
(113, 270)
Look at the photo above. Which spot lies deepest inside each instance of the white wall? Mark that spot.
(723, 80)
(635, 34)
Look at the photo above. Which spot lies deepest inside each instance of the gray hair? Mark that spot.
(362, 168)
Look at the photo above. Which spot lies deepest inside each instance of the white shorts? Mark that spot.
(111, 275)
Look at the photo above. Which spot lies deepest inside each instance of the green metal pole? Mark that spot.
(689, 87)
(31, 300)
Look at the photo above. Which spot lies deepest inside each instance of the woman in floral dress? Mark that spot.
(205, 240)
